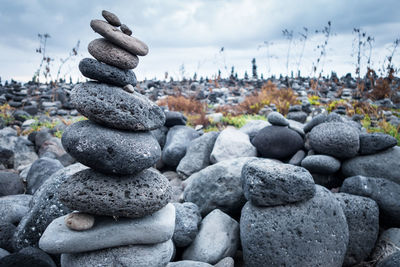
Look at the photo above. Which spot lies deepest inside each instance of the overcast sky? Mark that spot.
(191, 33)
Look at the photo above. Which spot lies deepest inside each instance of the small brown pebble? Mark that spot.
(111, 18)
(125, 29)
(79, 221)
(129, 88)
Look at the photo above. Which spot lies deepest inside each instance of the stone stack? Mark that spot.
(288, 220)
(122, 213)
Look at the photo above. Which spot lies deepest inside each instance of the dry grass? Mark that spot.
(193, 109)
(269, 94)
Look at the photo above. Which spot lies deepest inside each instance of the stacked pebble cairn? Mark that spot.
(122, 216)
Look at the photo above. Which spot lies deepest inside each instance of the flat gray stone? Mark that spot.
(218, 186)
(188, 263)
(385, 164)
(268, 183)
(218, 238)
(115, 108)
(322, 164)
(307, 233)
(230, 144)
(131, 196)
(126, 42)
(111, 54)
(197, 155)
(110, 150)
(107, 233)
(101, 72)
(157, 255)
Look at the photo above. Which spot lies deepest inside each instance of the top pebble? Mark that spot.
(111, 18)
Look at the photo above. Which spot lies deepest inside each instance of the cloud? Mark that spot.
(192, 32)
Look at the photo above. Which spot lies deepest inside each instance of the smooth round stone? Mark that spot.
(336, 139)
(107, 52)
(277, 142)
(134, 255)
(322, 164)
(129, 88)
(232, 143)
(155, 228)
(129, 43)
(268, 183)
(101, 72)
(218, 238)
(131, 196)
(115, 108)
(79, 221)
(111, 18)
(299, 116)
(275, 118)
(125, 29)
(110, 150)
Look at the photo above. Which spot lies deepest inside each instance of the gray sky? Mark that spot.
(191, 33)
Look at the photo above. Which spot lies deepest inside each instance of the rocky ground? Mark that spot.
(131, 184)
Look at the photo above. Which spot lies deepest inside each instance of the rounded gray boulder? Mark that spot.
(107, 52)
(127, 196)
(362, 215)
(335, 139)
(268, 183)
(110, 150)
(322, 164)
(101, 72)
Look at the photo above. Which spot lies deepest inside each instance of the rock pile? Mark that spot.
(121, 211)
